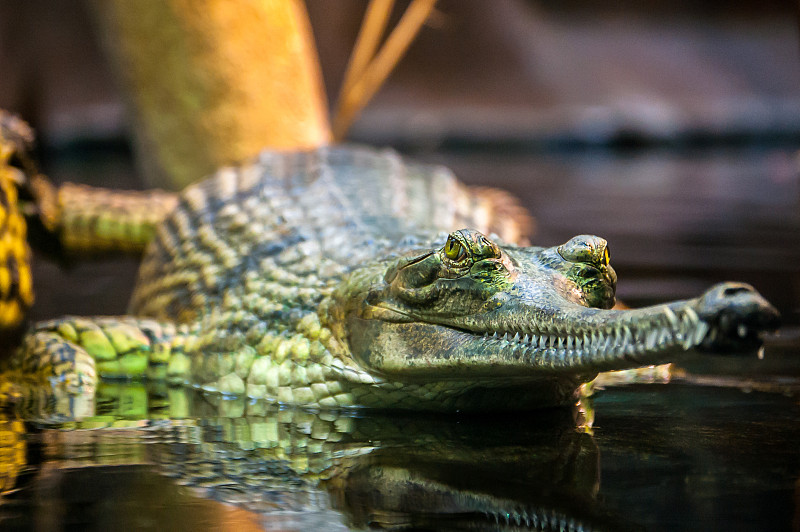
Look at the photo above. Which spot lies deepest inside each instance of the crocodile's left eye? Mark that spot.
(606, 257)
(454, 250)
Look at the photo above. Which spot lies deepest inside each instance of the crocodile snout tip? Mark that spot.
(737, 316)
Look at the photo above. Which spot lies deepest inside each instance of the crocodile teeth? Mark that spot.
(690, 320)
(700, 332)
(609, 341)
(665, 336)
(627, 337)
(671, 318)
(652, 339)
(692, 315)
(687, 339)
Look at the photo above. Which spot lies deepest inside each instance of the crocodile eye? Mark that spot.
(454, 250)
(606, 257)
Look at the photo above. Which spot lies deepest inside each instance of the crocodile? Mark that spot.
(334, 278)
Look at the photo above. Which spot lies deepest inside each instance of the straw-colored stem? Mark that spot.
(376, 72)
(369, 36)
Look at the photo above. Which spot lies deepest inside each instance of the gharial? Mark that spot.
(334, 278)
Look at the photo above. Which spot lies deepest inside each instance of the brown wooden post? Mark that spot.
(212, 82)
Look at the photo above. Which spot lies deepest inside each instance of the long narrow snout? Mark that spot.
(570, 337)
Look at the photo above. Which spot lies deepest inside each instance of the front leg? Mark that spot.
(73, 352)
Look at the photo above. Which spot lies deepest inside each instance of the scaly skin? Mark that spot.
(16, 292)
(327, 279)
(85, 219)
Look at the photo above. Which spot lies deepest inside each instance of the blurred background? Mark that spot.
(669, 128)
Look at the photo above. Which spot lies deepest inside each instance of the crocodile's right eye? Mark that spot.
(454, 250)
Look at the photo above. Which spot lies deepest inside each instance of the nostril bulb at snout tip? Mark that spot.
(734, 290)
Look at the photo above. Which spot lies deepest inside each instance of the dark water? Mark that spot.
(659, 457)
(716, 449)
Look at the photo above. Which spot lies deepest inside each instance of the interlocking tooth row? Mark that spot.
(538, 520)
(664, 330)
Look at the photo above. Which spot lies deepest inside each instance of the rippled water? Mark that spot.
(716, 448)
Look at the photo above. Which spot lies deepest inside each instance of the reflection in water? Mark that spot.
(293, 470)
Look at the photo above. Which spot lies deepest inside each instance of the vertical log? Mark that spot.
(211, 82)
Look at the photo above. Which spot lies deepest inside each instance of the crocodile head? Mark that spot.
(476, 309)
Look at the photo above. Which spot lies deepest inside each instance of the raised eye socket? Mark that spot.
(454, 250)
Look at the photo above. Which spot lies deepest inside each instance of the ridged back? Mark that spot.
(297, 220)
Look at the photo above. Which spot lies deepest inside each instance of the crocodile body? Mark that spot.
(334, 278)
